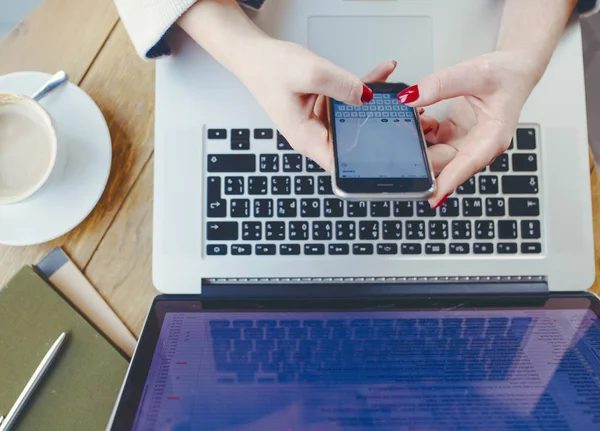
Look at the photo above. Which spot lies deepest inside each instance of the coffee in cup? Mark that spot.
(28, 147)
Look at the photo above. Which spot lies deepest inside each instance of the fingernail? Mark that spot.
(441, 202)
(421, 110)
(367, 94)
(395, 63)
(427, 130)
(409, 95)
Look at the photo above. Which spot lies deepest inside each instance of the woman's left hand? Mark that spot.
(491, 91)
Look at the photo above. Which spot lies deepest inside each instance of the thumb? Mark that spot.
(337, 83)
(464, 79)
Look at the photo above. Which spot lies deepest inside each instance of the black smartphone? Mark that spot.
(379, 149)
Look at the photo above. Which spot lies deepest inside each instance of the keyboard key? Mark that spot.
(461, 229)
(298, 230)
(483, 248)
(215, 206)
(286, 208)
(241, 250)
(368, 230)
(275, 230)
(415, 230)
(282, 143)
(523, 207)
(324, 185)
(252, 231)
(484, 229)
(263, 133)
(339, 249)
(304, 185)
(500, 164)
(240, 208)
(281, 185)
(216, 249)
(289, 249)
(526, 139)
(467, 188)
(265, 249)
(450, 208)
(530, 229)
(362, 249)
(472, 207)
(410, 248)
(520, 184)
(357, 209)
(234, 185)
(387, 249)
(531, 248)
(222, 231)
(263, 208)
(269, 162)
(380, 209)
(523, 162)
(495, 207)
(507, 229)
(240, 139)
(292, 163)
(403, 209)
(435, 248)
(345, 230)
(392, 229)
(334, 208)
(310, 207)
(223, 163)
(438, 229)
(488, 184)
(312, 166)
(506, 248)
(257, 185)
(322, 230)
(424, 209)
(459, 248)
(217, 133)
(512, 144)
(314, 249)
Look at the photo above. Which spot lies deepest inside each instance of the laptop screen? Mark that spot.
(519, 368)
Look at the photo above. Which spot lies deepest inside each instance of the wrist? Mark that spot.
(528, 65)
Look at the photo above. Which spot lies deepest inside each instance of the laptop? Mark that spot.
(359, 357)
(233, 203)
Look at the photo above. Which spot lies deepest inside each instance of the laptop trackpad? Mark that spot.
(361, 43)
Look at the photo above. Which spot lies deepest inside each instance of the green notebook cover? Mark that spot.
(80, 389)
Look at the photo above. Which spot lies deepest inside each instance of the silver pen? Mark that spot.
(36, 378)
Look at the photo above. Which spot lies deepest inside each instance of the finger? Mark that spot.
(429, 125)
(464, 79)
(440, 155)
(445, 132)
(479, 148)
(381, 73)
(333, 81)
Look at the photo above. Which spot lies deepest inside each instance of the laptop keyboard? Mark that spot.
(264, 199)
(405, 350)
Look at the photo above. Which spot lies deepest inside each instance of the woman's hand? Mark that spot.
(491, 91)
(290, 81)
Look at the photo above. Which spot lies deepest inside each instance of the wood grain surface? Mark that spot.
(113, 246)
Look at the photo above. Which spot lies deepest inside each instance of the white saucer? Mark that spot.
(68, 197)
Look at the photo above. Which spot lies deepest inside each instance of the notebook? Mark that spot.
(80, 389)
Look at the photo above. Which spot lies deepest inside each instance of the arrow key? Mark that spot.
(222, 231)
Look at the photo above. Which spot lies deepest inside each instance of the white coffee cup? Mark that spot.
(29, 147)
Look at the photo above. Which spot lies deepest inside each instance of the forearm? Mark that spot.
(223, 29)
(533, 28)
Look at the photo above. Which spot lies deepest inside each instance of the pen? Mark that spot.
(32, 384)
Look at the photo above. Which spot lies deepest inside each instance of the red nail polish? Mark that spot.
(427, 130)
(367, 94)
(395, 63)
(409, 95)
(441, 202)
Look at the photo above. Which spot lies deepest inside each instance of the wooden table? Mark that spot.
(113, 245)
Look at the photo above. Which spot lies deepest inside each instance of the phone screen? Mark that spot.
(379, 141)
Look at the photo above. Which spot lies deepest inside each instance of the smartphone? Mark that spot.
(379, 149)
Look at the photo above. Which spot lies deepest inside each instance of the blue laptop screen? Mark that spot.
(513, 369)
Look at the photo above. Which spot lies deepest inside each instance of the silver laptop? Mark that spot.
(234, 203)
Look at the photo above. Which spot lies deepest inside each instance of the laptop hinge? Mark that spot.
(369, 289)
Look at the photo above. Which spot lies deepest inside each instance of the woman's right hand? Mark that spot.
(289, 82)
